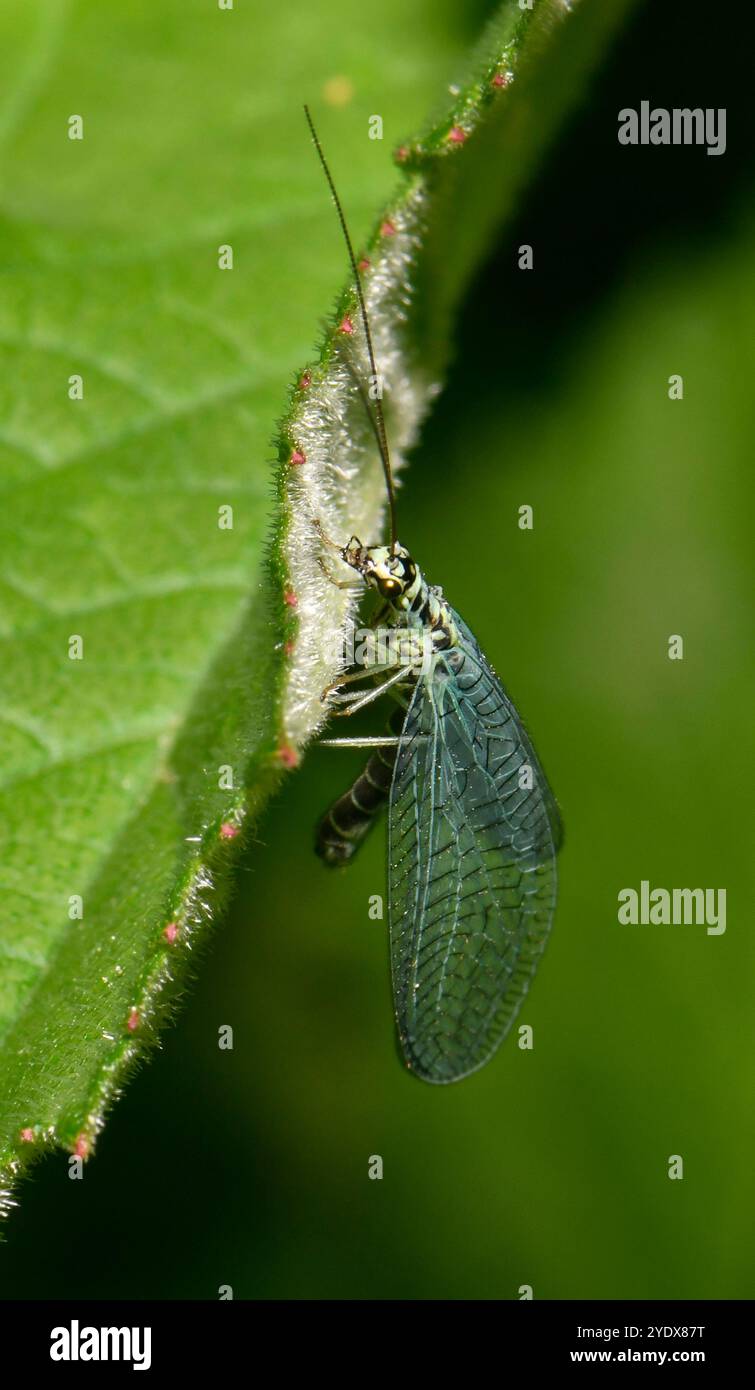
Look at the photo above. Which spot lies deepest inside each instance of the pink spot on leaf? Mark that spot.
(298, 457)
(500, 79)
(133, 1021)
(288, 648)
(27, 1135)
(228, 831)
(346, 325)
(290, 598)
(364, 263)
(81, 1147)
(305, 381)
(457, 135)
(402, 153)
(170, 932)
(387, 228)
(288, 756)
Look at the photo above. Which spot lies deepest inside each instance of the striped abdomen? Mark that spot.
(344, 826)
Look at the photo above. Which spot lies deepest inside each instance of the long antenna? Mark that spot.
(378, 419)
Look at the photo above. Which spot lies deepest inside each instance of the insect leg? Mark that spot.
(324, 537)
(376, 741)
(364, 673)
(351, 585)
(375, 694)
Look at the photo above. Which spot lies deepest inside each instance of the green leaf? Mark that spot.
(197, 656)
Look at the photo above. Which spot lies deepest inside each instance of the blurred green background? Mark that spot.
(549, 1168)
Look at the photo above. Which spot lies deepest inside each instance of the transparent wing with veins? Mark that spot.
(472, 841)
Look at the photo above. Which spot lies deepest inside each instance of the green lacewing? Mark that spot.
(473, 827)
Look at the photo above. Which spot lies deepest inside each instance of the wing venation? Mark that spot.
(471, 866)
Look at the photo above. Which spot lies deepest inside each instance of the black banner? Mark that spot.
(161, 1338)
